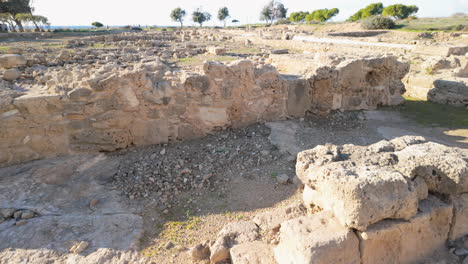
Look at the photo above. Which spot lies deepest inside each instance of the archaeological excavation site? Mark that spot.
(281, 144)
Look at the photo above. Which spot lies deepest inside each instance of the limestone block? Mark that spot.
(394, 241)
(272, 219)
(214, 116)
(316, 239)
(216, 50)
(460, 216)
(255, 252)
(444, 169)
(149, 131)
(230, 235)
(360, 196)
(12, 61)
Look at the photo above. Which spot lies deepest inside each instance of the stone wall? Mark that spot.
(110, 109)
(399, 201)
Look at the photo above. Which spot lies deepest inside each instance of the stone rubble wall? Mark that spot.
(111, 109)
(398, 201)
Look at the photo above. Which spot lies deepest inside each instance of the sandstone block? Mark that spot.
(316, 239)
(360, 196)
(394, 241)
(216, 50)
(444, 169)
(12, 61)
(255, 252)
(230, 235)
(460, 217)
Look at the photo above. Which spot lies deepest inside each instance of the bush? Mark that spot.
(283, 22)
(378, 22)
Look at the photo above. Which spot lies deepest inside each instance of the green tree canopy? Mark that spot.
(177, 15)
(400, 11)
(298, 16)
(200, 17)
(223, 14)
(274, 10)
(322, 15)
(97, 24)
(368, 11)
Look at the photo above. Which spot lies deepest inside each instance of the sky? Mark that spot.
(156, 12)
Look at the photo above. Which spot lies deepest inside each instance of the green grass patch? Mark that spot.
(429, 113)
(433, 24)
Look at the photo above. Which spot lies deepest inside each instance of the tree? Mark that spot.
(200, 17)
(274, 10)
(223, 14)
(298, 16)
(8, 19)
(177, 15)
(368, 11)
(322, 15)
(16, 7)
(400, 11)
(97, 24)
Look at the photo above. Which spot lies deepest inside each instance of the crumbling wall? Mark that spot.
(398, 201)
(113, 108)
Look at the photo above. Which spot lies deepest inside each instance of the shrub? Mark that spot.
(282, 21)
(378, 22)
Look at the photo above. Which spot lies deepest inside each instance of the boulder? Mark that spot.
(11, 74)
(9, 61)
(316, 239)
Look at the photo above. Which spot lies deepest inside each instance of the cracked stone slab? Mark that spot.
(59, 191)
(283, 135)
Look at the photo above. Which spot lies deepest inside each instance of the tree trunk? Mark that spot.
(36, 25)
(20, 25)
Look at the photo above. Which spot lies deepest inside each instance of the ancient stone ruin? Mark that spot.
(78, 109)
(396, 201)
(114, 143)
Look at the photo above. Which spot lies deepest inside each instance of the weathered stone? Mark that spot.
(272, 220)
(360, 196)
(216, 50)
(460, 216)
(394, 241)
(230, 235)
(318, 238)
(200, 252)
(11, 74)
(255, 252)
(12, 61)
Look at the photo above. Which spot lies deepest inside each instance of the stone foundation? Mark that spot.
(110, 109)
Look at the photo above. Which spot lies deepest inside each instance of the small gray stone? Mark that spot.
(282, 179)
(21, 222)
(169, 245)
(7, 212)
(27, 214)
(18, 214)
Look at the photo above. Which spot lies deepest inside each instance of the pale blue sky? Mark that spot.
(156, 12)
